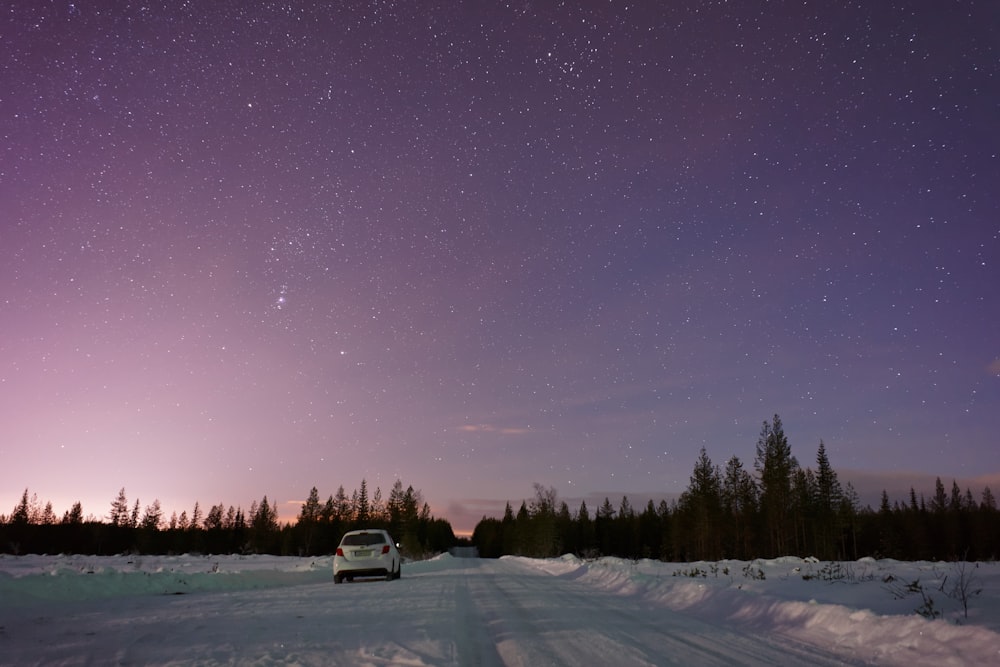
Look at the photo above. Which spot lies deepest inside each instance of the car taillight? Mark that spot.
(385, 549)
(340, 552)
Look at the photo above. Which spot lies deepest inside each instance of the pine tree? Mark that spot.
(233, 519)
(850, 503)
(739, 500)
(955, 500)
(328, 511)
(310, 512)
(119, 515)
(700, 510)
(939, 503)
(75, 514)
(543, 540)
(343, 507)
(307, 525)
(21, 516)
(152, 516)
(585, 526)
(988, 503)
(266, 518)
(775, 465)
(215, 518)
(377, 512)
(828, 498)
(394, 507)
(361, 507)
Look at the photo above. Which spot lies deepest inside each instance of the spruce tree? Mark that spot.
(775, 465)
(362, 509)
(119, 515)
(310, 511)
(152, 516)
(21, 516)
(828, 498)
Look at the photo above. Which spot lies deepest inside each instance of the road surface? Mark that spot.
(462, 612)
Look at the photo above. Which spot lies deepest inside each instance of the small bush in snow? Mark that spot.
(753, 571)
(694, 572)
(901, 591)
(964, 587)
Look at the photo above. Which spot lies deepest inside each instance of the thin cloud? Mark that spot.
(490, 428)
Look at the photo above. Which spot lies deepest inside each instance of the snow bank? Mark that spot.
(26, 578)
(852, 607)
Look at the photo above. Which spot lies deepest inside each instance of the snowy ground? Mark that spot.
(215, 610)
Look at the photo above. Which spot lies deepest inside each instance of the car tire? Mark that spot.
(337, 578)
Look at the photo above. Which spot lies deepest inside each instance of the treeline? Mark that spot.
(778, 509)
(129, 527)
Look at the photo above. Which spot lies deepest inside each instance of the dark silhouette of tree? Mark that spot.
(508, 526)
(739, 505)
(119, 515)
(542, 539)
(342, 507)
(850, 507)
(21, 516)
(803, 510)
(362, 508)
(196, 517)
(829, 495)
(939, 502)
(215, 518)
(650, 531)
(48, 517)
(586, 535)
(988, 503)
(74, 516)
(604, 527)
(307, 526)
(775, 466)
(699, 511)
(152, 516)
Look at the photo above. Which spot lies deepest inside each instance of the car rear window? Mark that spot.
(363, 540)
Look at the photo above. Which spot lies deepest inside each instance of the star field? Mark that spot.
(251, 248)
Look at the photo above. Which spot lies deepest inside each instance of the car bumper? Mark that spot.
(366, 568)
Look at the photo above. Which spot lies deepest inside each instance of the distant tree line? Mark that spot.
(778, 509)
(129, 527)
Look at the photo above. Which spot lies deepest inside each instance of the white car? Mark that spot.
(366, 553)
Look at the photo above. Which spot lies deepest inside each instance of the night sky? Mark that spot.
(249, 250)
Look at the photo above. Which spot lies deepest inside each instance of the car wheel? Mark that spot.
(337, 578)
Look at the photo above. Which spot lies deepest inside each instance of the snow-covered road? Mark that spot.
(514, 615)
(451, 612)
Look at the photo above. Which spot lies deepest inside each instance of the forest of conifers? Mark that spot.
(780, 509)
(31, 528)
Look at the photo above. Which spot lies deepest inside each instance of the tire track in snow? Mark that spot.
(540, 619)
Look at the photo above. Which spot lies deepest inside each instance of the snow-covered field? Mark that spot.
(265, 610)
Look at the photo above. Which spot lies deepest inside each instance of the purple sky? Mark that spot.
(248, 250)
